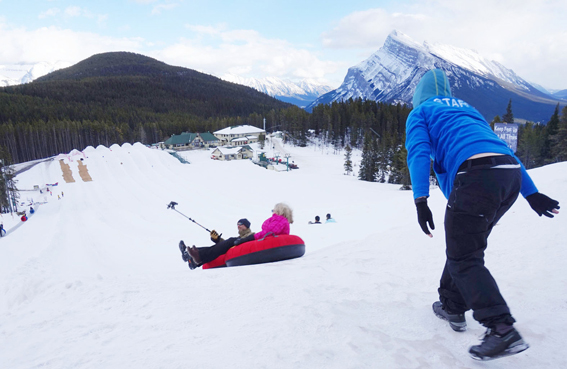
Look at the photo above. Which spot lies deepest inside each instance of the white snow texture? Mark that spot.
(95, 279)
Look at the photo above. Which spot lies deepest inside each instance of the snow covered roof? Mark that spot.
(227, 151)
(239, 130)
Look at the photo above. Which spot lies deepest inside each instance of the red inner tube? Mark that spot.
(269, 249)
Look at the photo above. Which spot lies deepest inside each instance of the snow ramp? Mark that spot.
(84, 172)
(67, 174)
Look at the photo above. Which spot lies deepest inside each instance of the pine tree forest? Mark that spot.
(378, 129)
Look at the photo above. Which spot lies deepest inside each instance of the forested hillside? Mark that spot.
(119, 97)
(123, 97)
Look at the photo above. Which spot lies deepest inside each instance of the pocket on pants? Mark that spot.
(466, 234)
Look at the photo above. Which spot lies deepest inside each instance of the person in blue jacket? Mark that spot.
(481, 178)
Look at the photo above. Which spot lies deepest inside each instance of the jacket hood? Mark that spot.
(433, 83)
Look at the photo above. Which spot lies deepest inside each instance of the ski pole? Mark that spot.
(172, 206)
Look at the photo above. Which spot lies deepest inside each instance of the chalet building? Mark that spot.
(239, 135)
(187, 141)
(232, 153)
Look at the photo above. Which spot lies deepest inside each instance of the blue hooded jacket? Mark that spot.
(449, 131)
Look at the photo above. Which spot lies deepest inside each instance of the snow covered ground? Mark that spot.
(95, 279)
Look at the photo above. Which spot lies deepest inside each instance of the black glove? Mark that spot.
(424, 215)
(542, 204)
(215, 237)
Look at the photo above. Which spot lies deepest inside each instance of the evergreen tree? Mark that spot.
(8, 191)
(551, 130)
(348, 161)
(530, 142)
(509, 116)
(399, 169)
(367, 170)
(559, 140)
(495, 120)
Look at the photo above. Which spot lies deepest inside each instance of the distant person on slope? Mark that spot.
(317, 220)
(2, 230)
(481, 178)
(330, 219)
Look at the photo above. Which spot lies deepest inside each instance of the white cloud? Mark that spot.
(159, 8)
(525, 35)
(73, 11)
(367, 29)
(211, 49)
(49, 13)
(206, 30)
(53, 44)
(218, 51)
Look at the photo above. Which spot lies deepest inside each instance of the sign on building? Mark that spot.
(507, 132)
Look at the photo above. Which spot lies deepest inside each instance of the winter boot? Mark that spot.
(192, 265)
(495, 345)
(194, 254)
(183, 249)
(456, 321)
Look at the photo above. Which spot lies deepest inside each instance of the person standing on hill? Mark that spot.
(481, 178)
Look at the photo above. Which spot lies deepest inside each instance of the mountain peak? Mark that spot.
(397, 36)
(392, 72)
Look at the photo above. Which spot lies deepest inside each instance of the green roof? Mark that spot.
(182, 139)
(208, 136)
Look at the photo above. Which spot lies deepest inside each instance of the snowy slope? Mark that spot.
(95, 279)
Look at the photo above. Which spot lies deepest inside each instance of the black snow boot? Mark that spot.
(184, 254)
(192, 265)
(456, 321)
(495, 345)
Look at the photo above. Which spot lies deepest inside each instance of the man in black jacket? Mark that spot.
(197, 256)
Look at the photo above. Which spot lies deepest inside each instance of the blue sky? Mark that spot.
(287, 39)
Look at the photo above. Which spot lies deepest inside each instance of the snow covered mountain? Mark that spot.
(391, 74)
(298, 93)
(23, 73)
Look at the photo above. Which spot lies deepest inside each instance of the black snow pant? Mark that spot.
(208, 254)
(484, 189)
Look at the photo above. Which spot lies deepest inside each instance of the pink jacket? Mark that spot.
(277, 224)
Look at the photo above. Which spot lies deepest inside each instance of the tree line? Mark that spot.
(375, 128)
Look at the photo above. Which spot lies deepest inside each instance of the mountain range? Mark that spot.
(300, 93)
(389, 75)
(392, 73)
(18, 74)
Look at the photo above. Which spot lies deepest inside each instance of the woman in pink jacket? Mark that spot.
(277, 224)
